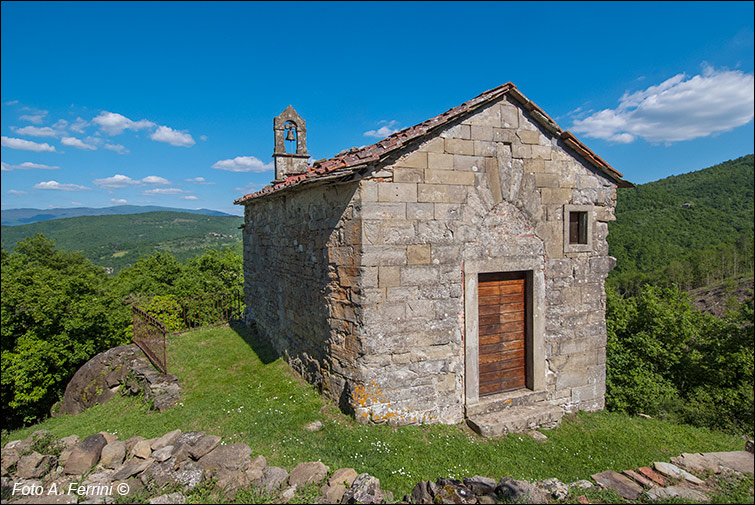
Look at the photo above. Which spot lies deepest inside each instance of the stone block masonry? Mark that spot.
(303, 287)
(368, 286)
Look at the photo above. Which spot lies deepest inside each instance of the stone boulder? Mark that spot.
(169, 438)
(557, 489)
(121, 368)
(161, 455)
(307, 473)
(256, 468)
(34, 465)
(203, 446)
(189, 438)
(69, 442)
(480, 485)
(364, 489)
(85, 455)
(520, 491)
(113, 454)
(132, 467)
(272, 479)
(98, 379)
(8, 458)
(229, 457)
(338, 483)
(160, 475)
(142, 449)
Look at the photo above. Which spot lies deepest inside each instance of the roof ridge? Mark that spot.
(360, 156)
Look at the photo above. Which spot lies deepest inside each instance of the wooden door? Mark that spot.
(502, 329)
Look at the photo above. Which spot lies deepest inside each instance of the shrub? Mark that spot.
(666, 358)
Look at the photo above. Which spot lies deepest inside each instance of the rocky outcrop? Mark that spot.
(123, 369)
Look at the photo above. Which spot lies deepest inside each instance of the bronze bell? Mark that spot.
(290, 134)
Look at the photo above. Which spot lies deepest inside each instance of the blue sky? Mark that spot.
(172, 103)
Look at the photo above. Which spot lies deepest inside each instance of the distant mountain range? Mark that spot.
(118, 241)
(15, 217)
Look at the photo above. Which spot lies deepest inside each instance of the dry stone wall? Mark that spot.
(174, 467)
(101, 469)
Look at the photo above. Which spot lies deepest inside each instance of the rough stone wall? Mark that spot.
(491, 186)
(301, 281)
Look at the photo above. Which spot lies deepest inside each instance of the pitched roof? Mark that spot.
(346, 162)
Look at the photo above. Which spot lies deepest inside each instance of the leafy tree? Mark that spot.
(57, 312)
(667, 359)
(155, 274)
(219, 272)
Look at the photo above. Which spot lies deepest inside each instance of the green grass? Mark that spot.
(233, 386)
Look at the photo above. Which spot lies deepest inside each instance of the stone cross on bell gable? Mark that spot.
(289, 126)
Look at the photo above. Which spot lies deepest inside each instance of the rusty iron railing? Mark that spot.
(186, 314)
(149, 335)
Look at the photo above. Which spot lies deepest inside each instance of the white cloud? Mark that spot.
(203, 138)
(11, 102)
(164, 191)
(36, 117)
(77, 143)
(117, 148)
(189, 197)
(388, 128)
(243, 164)
(172, 137)
(153, 179)
(680, 108)
(25, 145)
(36, 131)
(59, 187)
(115, 182)
(199, 180)
(27, 165)
(113, 123)
(119, 201)
(78, 125)
(122, 181)
(16, 192)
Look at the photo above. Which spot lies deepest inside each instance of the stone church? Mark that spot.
(452, 271)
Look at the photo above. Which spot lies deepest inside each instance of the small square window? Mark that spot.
(578, 223)
(577, 227)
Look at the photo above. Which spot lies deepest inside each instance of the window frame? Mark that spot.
(589, 210)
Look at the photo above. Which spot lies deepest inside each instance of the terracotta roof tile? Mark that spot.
(357, 157)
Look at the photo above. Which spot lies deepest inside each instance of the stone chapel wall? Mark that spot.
(301, 252)
(490, 188)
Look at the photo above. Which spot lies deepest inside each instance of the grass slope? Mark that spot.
(653, 227)
(234, 387)
(116, 242)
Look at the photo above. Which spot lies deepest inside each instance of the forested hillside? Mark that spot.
(690, 229)
(664, 357)
(115, 242)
